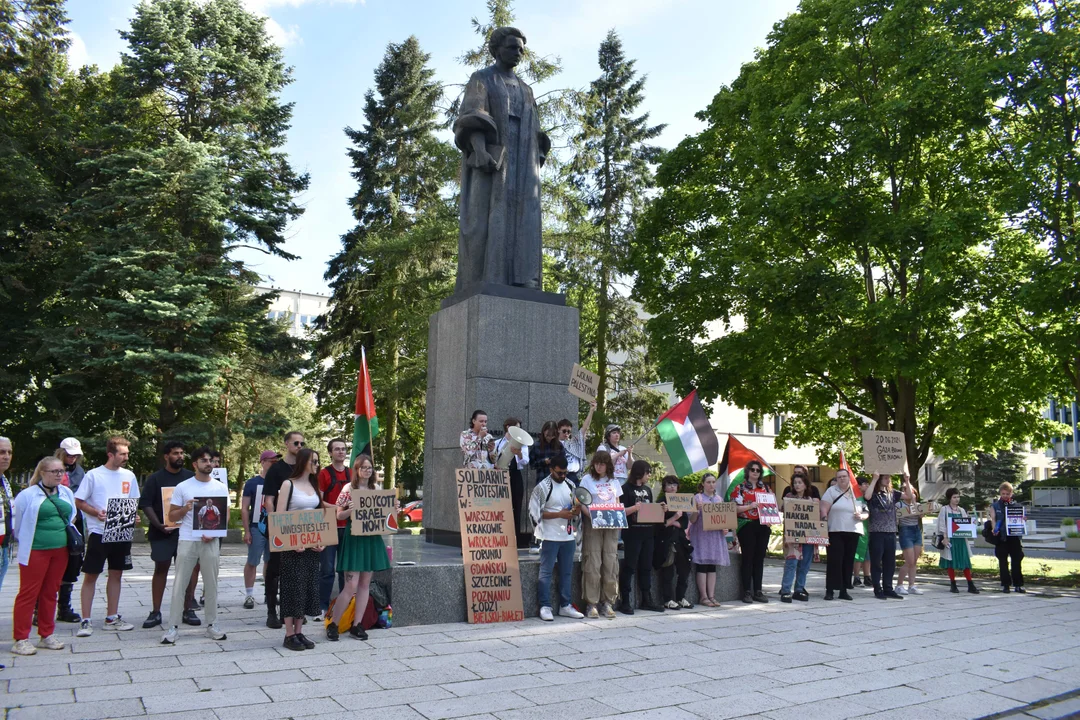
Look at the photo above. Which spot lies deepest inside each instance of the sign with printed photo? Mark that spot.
(373, 512)
(803, 523)
(680, 502)
(120, 516)
(210, 516)
(302, 529)
(768, 512)
(608, 517)
(720, 516)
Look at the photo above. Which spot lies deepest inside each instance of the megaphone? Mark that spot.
(518, 439)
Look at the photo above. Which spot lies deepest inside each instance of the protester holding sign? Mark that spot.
(359, 556)
(1009, 547)
(111, 480)
(671, 554)
(300, 568)
(573, 444)
(753, 534)
(882, 500)
(621, 456)
(840, 509)
(638, 539)
(552, 508)
(797, 556)
(710, 547)
(600, 546)
(956, 555)
(911, 537)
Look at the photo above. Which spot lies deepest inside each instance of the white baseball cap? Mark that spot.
(71, 446)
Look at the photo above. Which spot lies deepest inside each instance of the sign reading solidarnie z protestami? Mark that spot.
(489, 546)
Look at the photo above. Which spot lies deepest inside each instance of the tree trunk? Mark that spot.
(390, 446)
(603, 311)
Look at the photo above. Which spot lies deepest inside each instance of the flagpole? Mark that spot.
(642, 436)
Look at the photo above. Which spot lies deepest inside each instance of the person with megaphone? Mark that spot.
(512, 454)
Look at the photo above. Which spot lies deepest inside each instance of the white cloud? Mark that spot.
(77, 53)
(282, 36)
(262, 5)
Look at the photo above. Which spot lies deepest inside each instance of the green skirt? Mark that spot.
(362, 553)
(961, 558)
(864, 544)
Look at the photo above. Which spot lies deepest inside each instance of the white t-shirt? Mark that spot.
(98, 486)
(620, 462)
(841, 515)
(604, 492)
(188, 491)
(554, 529)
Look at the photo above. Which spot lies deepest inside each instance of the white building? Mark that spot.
(299, 309)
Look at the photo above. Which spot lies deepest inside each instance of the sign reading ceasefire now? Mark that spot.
(489, 546)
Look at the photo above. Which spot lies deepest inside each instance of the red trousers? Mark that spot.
(39, 581)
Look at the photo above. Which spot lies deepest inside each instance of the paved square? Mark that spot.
(934, 656)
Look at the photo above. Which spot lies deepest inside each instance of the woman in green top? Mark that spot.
(956, 555)
(862, 550)
(41, 515)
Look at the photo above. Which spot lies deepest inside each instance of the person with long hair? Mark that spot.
(956, 555)
(911, 538)
(638, 542)
(600, 546)
(70, 453)
(476, 443)
(710, 546)
(41, 515)
(672, 551)
(842, 512)
(797, 556)
(300, 568)
(753, 535)
(359, 557)
(547, 447)
(881, 500)
(621, 456)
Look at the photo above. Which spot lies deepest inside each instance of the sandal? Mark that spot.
(709, 602)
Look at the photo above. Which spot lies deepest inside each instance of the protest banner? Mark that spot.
(489, 546)
(1015, 522)
(166, 503)
(884, 452)
(608, 516)
(680, 502)
(720, 516)
(959, 527)
(221, 475)
(650, 513)
(211, 516)
(584, 384)
(768, 512)
(302, 529)
(372, 511)
(120, 515)
(803, 523)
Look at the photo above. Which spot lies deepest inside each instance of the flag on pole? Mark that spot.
(365, 424)
(688, 436)
(733, 466)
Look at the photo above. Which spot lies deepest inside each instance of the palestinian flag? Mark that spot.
(733, 466)
(365, 424)
(688, 437)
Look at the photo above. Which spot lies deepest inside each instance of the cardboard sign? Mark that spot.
(719, 516)
(680, 502)
(803, 523)
(584, 384)
(1015, 522)
(884, 452)
(221, 475)
(650, 513)
(166, 503)
(489, 546)
(302, 529)
(768, 512)
(372, 511)
(120, 515)
(959, 527)
(210, 516)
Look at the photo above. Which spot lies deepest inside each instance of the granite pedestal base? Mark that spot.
(506, 355)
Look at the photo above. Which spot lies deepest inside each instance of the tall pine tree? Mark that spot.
(398, 262)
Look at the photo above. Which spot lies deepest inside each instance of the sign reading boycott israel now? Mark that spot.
(302, 529)
(372, 511)
(884, 452)
(489, 546)
(803, 523)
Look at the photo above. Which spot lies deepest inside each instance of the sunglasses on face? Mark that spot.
(297, 443)
(755, 470)
(558, 473)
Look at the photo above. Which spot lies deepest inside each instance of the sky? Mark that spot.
(687, 49)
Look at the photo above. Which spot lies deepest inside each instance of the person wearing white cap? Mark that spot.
(70, 453)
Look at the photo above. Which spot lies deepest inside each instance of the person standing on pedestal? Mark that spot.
(498, 130)
(573, 444)
(519, 463)
(621, 456)
(477, 444)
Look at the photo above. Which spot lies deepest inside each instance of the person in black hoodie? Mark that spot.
(637, 541)
(672, 544)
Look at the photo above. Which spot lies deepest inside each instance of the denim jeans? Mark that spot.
(796, 569)
(550, 553)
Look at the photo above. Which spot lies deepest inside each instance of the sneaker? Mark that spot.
(1005, 589)
(591, 612)
(534, 550)
(332, 632)
(24, 647)
(86, 629)
(901, 590)
(685, 604)
(785, 597)
(545, 614)
(914, 590)
(318, 618)
(671, 605)
(867, 582)
(202, 601)
(625, 609)
(274, 622)
(1020, 589)
(571, 612)
(118, 624)
(609, 612)
(152, 620)
(51, 642)
(748, 597)
(893, 595)
(170, 636)
(249, 603)
(801, 596)
(358, 632)
(190, 618)
(67, 615)
(760, 597)
(293, 643)
(308, 645)
(214, 633)
(857, 582)
(844, 595)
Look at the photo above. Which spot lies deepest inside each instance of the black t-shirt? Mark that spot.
(151, 496)
(278, 473)
(632, 495)
(684, 521)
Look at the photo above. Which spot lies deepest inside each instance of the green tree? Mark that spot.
(610, 175)
(397, 263)
(824, 241)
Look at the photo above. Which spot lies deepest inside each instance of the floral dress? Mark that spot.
(474, 450)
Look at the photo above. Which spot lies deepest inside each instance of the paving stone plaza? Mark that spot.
(934, 656)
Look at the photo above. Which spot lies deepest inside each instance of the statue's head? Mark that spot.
(507, 45)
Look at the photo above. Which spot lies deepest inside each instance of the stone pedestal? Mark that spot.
(510, 355)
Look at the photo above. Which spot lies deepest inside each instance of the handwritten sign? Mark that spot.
(302, 529)
(489, 546)
(680, 502)
(719, 516)
(608, 517)
(803, 523)
(1015, 522)
(650, 513)
(584, 384)
(371, 511)
(768, 512)
(166, 502)
(884, 452)
(120, 516)
(960, 527)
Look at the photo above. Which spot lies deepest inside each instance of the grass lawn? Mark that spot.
(1037, 571)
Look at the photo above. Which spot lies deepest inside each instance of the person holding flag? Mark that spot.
(753, 535)
(843, 513)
